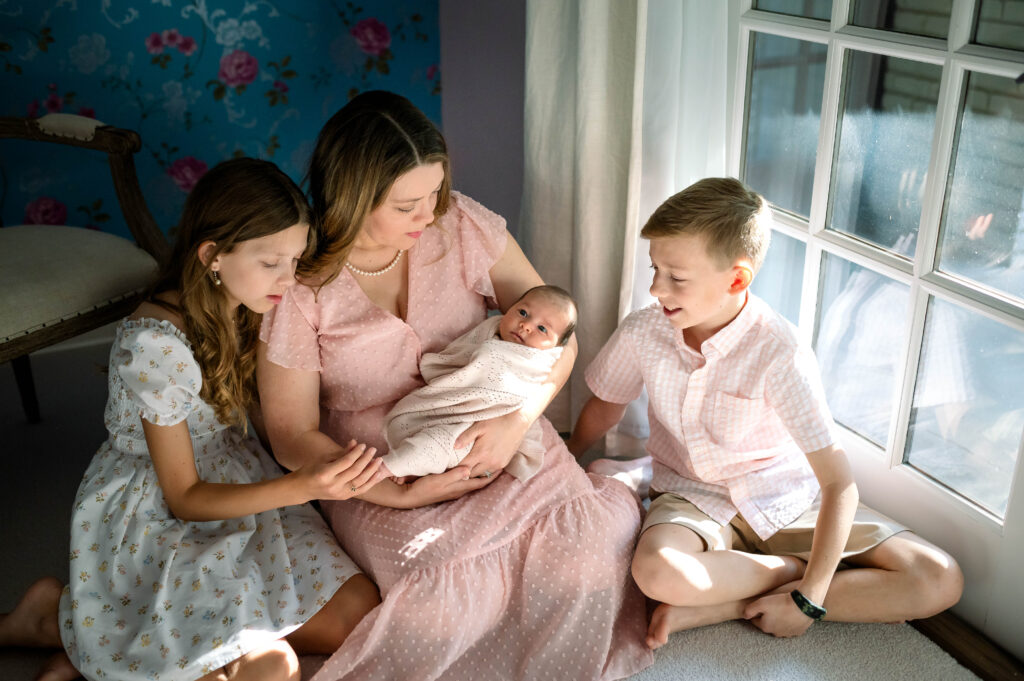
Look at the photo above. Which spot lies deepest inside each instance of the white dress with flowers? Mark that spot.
(154, 597)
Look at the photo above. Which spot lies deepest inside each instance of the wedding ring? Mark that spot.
(487, 474)
(353, 488)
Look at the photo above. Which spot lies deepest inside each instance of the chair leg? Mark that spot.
(26, 388)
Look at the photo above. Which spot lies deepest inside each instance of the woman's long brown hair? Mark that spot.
(234, 201)
(360, 152)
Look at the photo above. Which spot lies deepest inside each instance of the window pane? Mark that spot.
(884, 145)
(779, 280)
(814, 9)
(968, 411)
(787, 77)
(929, 18)
(983, 230)
(860, 343)
(1000, 24)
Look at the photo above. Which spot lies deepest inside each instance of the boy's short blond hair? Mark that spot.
(734, 220)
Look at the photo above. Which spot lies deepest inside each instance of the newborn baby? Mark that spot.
(490, 371)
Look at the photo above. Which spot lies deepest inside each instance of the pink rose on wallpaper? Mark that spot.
(431, 71)
(46, 211)
(87, 111)
(372, 36)
(281, 86)
(33, 108)
(187, 46)
(154, 43)
(238, 68)
(53, 103)
(171, 37)
(186, 171)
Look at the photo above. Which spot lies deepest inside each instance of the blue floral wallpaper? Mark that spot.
(200, 82)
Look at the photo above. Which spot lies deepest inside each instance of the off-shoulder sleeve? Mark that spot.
(483, 237)
(290, 330)
(161, 374)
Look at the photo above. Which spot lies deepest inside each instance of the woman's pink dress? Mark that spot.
(514, 581)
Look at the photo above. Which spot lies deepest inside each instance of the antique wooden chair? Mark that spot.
(59, 281)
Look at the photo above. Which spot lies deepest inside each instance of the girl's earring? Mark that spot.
(216, 277)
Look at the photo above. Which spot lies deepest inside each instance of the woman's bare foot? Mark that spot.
(634, 473)
(668, 619)
(58, 668)
(33, 622)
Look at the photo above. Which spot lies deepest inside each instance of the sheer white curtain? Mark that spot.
(626, 103)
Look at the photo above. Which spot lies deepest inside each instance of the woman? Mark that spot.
(508, 580)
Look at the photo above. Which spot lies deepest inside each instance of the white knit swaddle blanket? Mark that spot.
(477, 377)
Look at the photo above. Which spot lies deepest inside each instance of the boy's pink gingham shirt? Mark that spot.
(729, 427)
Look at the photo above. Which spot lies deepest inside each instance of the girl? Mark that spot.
(191, 555)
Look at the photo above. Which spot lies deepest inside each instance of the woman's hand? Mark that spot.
(452, 484)
(494, 443)
(345, 477)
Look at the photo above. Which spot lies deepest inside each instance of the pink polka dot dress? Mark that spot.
(514, 581)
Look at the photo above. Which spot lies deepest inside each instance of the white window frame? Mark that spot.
(988, 548)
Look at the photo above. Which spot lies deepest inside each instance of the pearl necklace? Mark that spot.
(394, 261)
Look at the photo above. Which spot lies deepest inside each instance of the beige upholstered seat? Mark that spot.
(59, 281)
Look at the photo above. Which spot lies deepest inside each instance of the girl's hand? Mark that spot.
(494, 443)
(452, 484)
(348, 476)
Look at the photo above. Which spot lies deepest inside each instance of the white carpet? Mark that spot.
(829, 651)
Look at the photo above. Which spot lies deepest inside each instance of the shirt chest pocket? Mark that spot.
(733, 418)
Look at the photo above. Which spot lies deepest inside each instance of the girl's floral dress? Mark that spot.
(154, 597)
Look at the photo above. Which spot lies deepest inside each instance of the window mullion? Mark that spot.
(903, 403)
(826, 137)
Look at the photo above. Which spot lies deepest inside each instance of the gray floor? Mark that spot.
(43, 463)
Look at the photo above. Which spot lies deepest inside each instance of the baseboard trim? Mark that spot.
(970, 647)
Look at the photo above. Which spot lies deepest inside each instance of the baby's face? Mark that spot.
(535, 321)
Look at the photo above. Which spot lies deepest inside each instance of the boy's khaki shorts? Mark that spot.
(870, 528)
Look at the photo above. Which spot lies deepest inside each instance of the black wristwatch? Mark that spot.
(812, 610)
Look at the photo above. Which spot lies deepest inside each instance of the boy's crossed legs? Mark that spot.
(903, 577)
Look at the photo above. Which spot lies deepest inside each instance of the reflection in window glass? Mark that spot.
(814, 9)
(787, 77)
(860, 343)
(968, 411)
(885, 141)
(1000, 24)
(929, 18)
(983, 225)
(781, 275)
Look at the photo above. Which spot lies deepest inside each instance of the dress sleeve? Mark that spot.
(161, 374)
(483, 237)
(290, 330)
(615, 374)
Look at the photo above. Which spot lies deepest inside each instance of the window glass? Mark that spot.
(968, 410)
(983, 225)
(813, 9)
(1000, 24)
(787, 78)
(888, 120)
(781, 275)
(929, 18)
(859, 344)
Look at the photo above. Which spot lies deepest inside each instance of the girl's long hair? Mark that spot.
(360, 152)
(235, 201)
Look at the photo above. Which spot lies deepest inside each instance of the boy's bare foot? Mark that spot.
(58, 668)
(668, 619)
(634, 473)
(33, 622)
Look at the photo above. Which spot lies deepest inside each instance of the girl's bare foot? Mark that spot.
(668, 619)
(33, 622)
(634, 473)
(58, 668)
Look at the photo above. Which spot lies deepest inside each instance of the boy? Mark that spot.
(753, 501)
